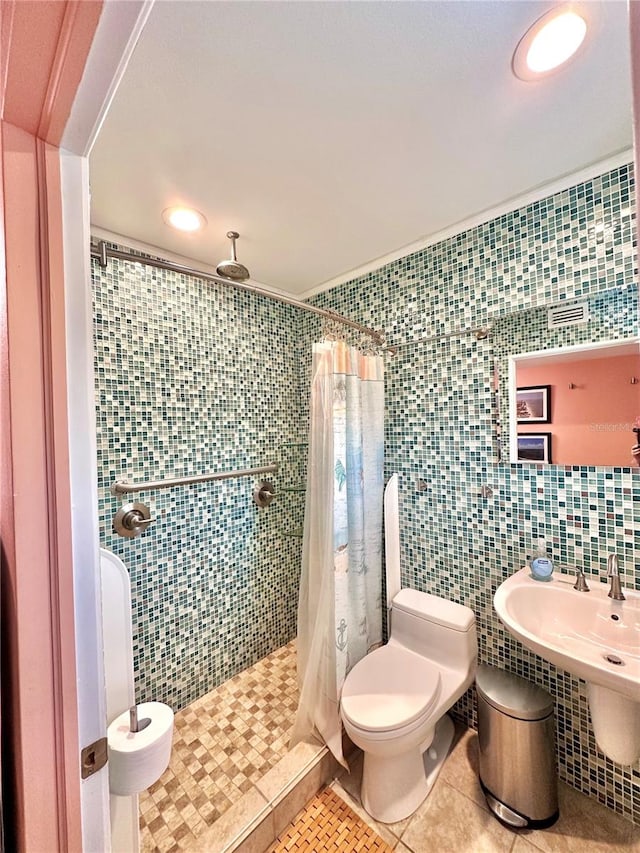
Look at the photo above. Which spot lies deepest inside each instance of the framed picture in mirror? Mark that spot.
(533, 404)
(534, 447)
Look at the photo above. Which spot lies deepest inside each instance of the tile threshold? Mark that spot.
(256, 807)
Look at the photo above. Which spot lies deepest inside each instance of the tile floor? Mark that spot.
(454, 818)
(222, 745)
(232, 743)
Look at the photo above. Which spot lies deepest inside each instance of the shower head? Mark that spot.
(232, 269)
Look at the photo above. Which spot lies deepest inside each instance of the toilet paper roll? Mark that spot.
(138, 759)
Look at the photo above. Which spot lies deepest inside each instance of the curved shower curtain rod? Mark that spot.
(101, 252)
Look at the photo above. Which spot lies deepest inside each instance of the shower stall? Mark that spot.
(196, 375)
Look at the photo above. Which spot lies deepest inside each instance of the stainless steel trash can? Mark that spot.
(516, 734)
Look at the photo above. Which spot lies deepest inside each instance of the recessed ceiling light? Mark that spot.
(549, 43)
(184, 218)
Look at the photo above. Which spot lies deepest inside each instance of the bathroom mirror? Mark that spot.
(575, 406)
(569, 394)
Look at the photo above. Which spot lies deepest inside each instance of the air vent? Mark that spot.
(575, 314)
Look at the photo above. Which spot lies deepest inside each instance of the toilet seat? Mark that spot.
(389, 689)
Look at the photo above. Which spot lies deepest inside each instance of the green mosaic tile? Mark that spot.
(194, 377)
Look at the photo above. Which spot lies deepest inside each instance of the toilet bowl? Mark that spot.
(394, 701)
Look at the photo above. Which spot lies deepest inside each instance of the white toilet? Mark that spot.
(394, 701)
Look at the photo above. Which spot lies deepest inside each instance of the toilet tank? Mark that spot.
(435, 628)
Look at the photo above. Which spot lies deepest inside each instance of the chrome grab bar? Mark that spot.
(124, 488)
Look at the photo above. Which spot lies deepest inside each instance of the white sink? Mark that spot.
(577, 631)
(589, 635)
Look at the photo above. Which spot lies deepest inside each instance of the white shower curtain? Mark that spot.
(340, 605)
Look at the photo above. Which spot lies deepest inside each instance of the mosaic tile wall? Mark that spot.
(193, 377)
(441, 416)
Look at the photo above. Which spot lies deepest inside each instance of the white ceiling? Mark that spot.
(330, 134)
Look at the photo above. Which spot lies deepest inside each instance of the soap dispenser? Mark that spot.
(541, 564)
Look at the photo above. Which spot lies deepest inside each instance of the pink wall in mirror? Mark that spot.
(591, 423)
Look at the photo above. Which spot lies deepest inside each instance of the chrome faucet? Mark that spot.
(613, 574)
(581, 582)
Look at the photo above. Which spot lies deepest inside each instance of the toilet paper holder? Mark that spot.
(136, 725)
(137, 759)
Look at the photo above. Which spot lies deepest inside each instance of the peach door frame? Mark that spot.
(39, 692)
(52, 690)
(634, 45)
(41, 778)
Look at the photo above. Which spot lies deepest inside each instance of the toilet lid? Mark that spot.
(389, 689)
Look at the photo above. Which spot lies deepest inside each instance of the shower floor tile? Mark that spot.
(223, 743)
